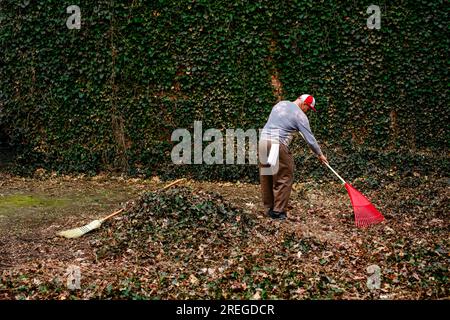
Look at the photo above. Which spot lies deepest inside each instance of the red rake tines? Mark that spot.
(365, 213)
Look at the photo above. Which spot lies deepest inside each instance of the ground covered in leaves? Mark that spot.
(203, 240)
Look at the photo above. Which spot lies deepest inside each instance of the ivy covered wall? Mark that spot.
(107, 96)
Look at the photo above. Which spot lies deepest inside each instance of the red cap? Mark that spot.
(309, 100)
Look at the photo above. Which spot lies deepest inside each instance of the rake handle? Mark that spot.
(119, 211)
(337, 175)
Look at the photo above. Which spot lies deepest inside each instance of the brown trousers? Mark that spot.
(276, 188)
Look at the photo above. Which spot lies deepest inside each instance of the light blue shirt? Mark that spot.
(285, 119)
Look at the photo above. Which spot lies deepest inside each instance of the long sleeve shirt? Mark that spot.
(285, 119)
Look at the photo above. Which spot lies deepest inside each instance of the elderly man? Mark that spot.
(286, 118)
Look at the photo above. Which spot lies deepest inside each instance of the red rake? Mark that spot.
(365, 213)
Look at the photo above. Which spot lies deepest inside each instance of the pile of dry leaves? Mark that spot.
(186, 243)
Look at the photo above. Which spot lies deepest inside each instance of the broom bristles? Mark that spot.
(78, 232)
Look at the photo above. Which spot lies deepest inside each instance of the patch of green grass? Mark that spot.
(17, 201)
(20, 201)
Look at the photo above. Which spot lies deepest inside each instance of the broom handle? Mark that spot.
(112, 215)
(171, 184)
(119, 211)
(337, 175)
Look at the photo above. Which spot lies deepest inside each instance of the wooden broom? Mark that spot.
(95, 224)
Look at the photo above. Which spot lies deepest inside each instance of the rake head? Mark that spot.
(78, 232)
(365, 213)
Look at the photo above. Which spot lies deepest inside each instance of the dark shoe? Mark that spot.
(277, 215)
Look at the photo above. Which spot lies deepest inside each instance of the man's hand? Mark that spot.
(323, 159)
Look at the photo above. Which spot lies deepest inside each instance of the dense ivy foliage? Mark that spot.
(109, 95)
